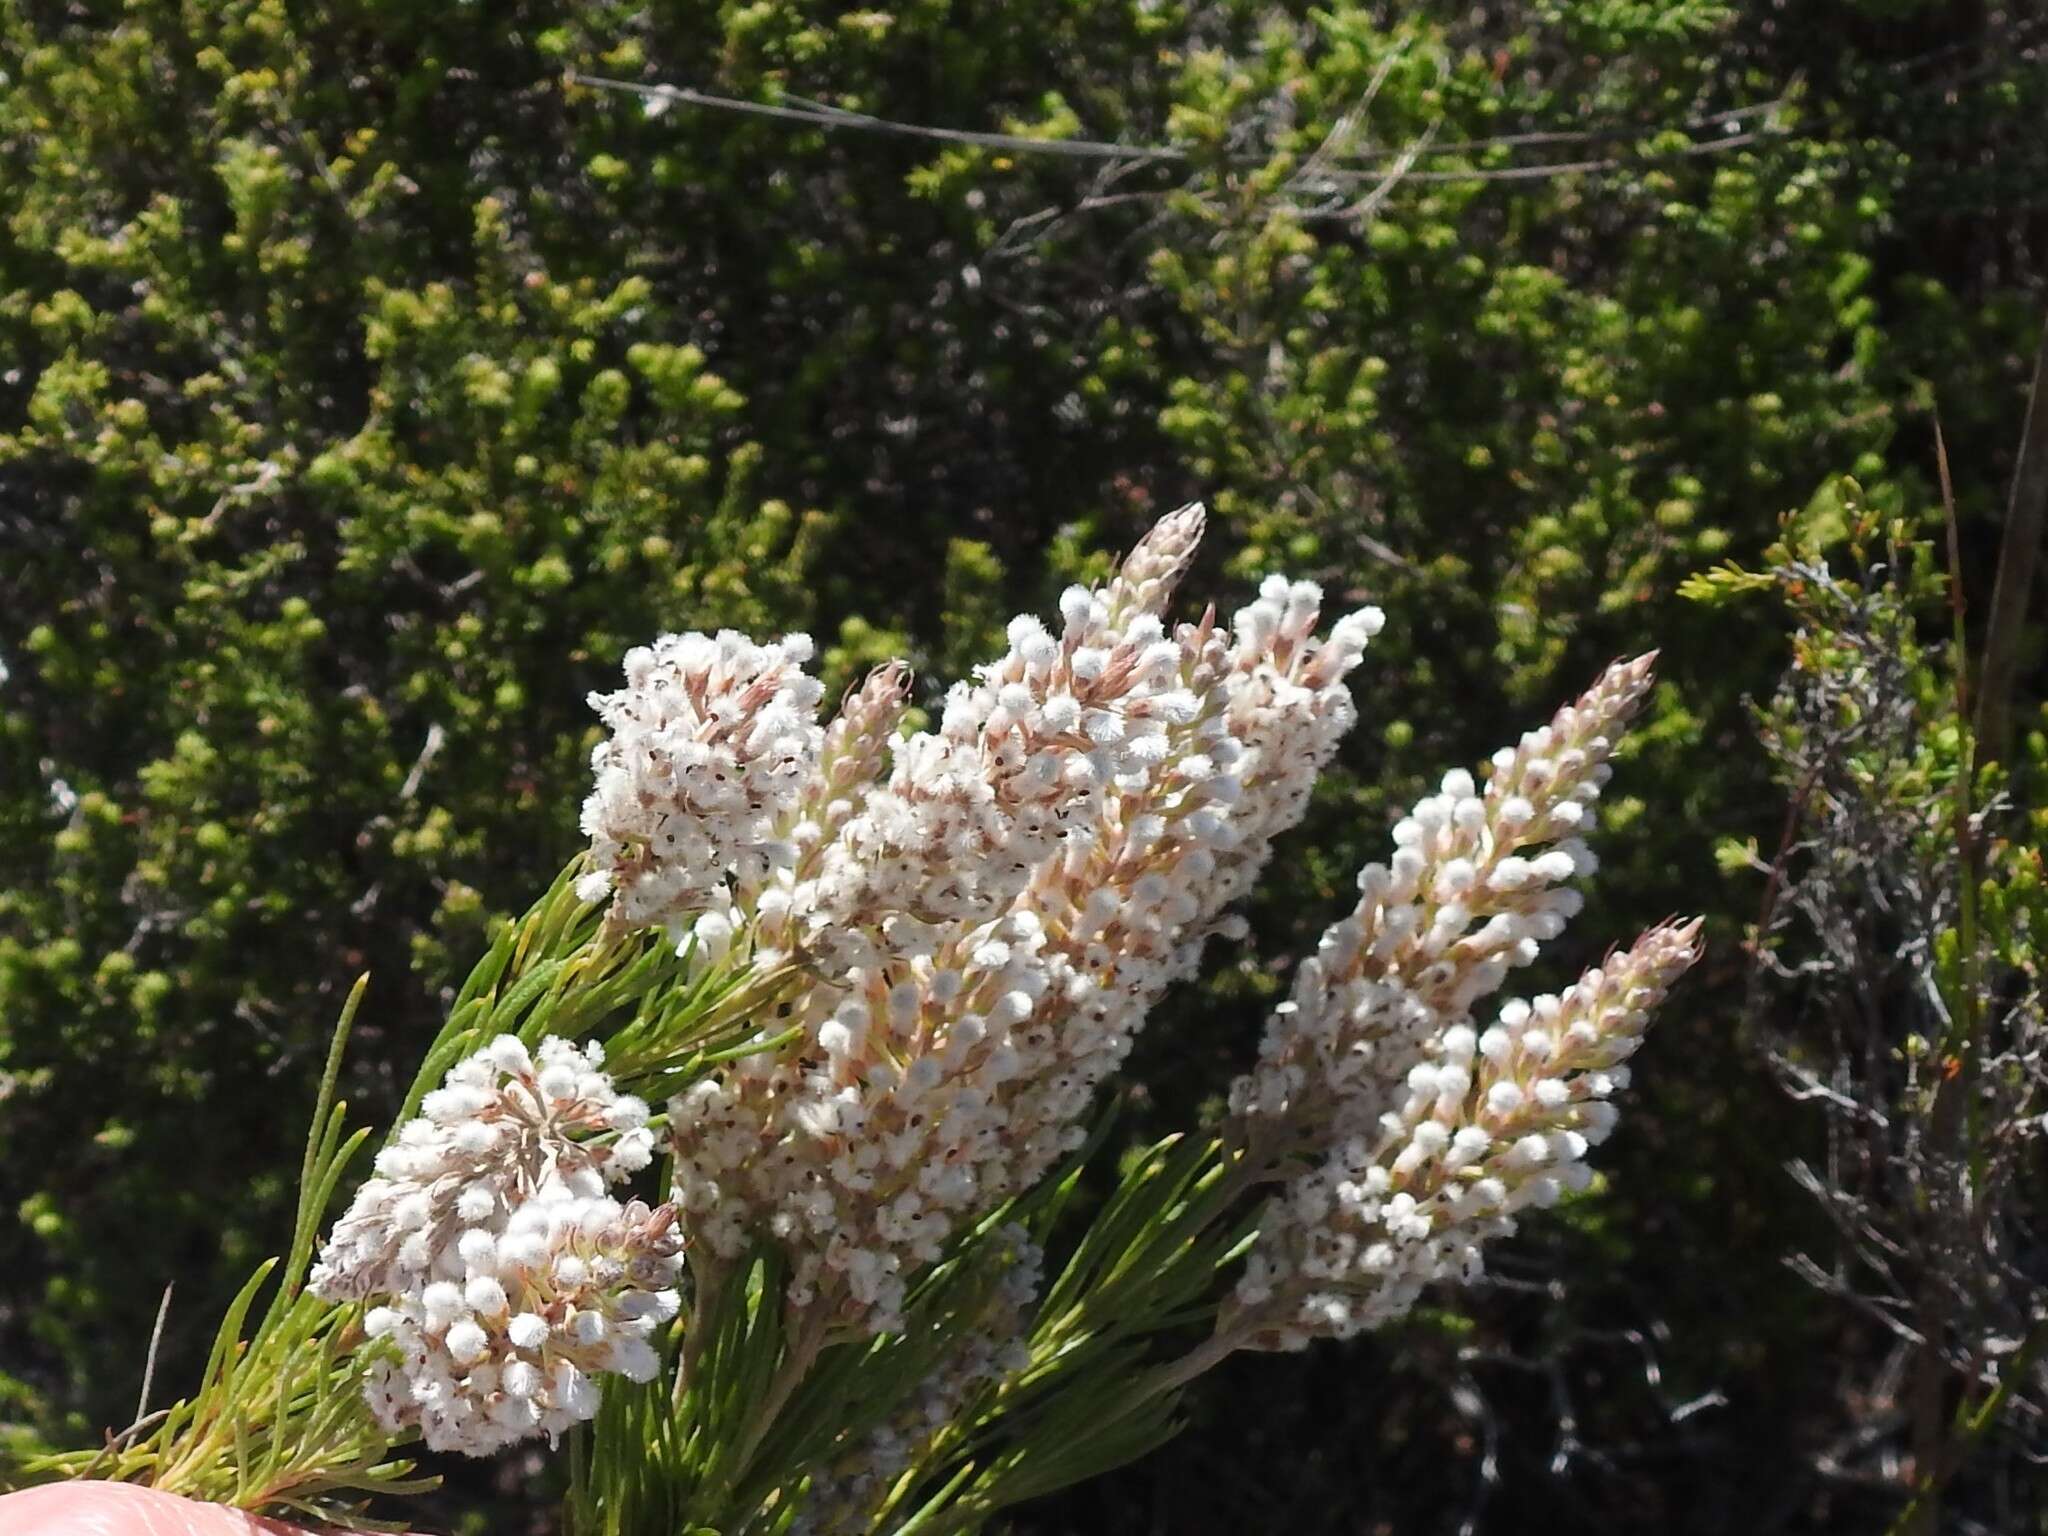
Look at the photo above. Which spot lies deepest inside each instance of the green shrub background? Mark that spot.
(366, 387)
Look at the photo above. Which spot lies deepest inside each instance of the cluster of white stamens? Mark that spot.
(991, 919)
(1476, 883)
(1037, 745)
(977, 920)
(1484, 1126)
(505, 1277)
(1286, 700)
(714, 740)
(1425, 1135)
(988, 911)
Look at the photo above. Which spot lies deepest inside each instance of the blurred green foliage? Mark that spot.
(368, 384)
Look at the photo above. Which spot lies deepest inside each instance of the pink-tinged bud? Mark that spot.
(1154, 567)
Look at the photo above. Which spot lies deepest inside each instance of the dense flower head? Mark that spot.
(569, 1289)
(998, 912)
(1486, 1124)
(1287, 701)
(1422, 1135)
(504, 1277)
(712, 743)
(1477, 881)
(1038, 743)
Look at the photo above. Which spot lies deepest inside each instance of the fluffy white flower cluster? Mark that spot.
(992, 920)
(1421, 1151)
(1285, 699)
(847, 1494)
(714, 740)
(1488, 1124)
(1476, 883)
(505, 1277)
(1037, 745)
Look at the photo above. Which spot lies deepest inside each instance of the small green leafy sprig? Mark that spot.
(730, 1439)
(278, 1422)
